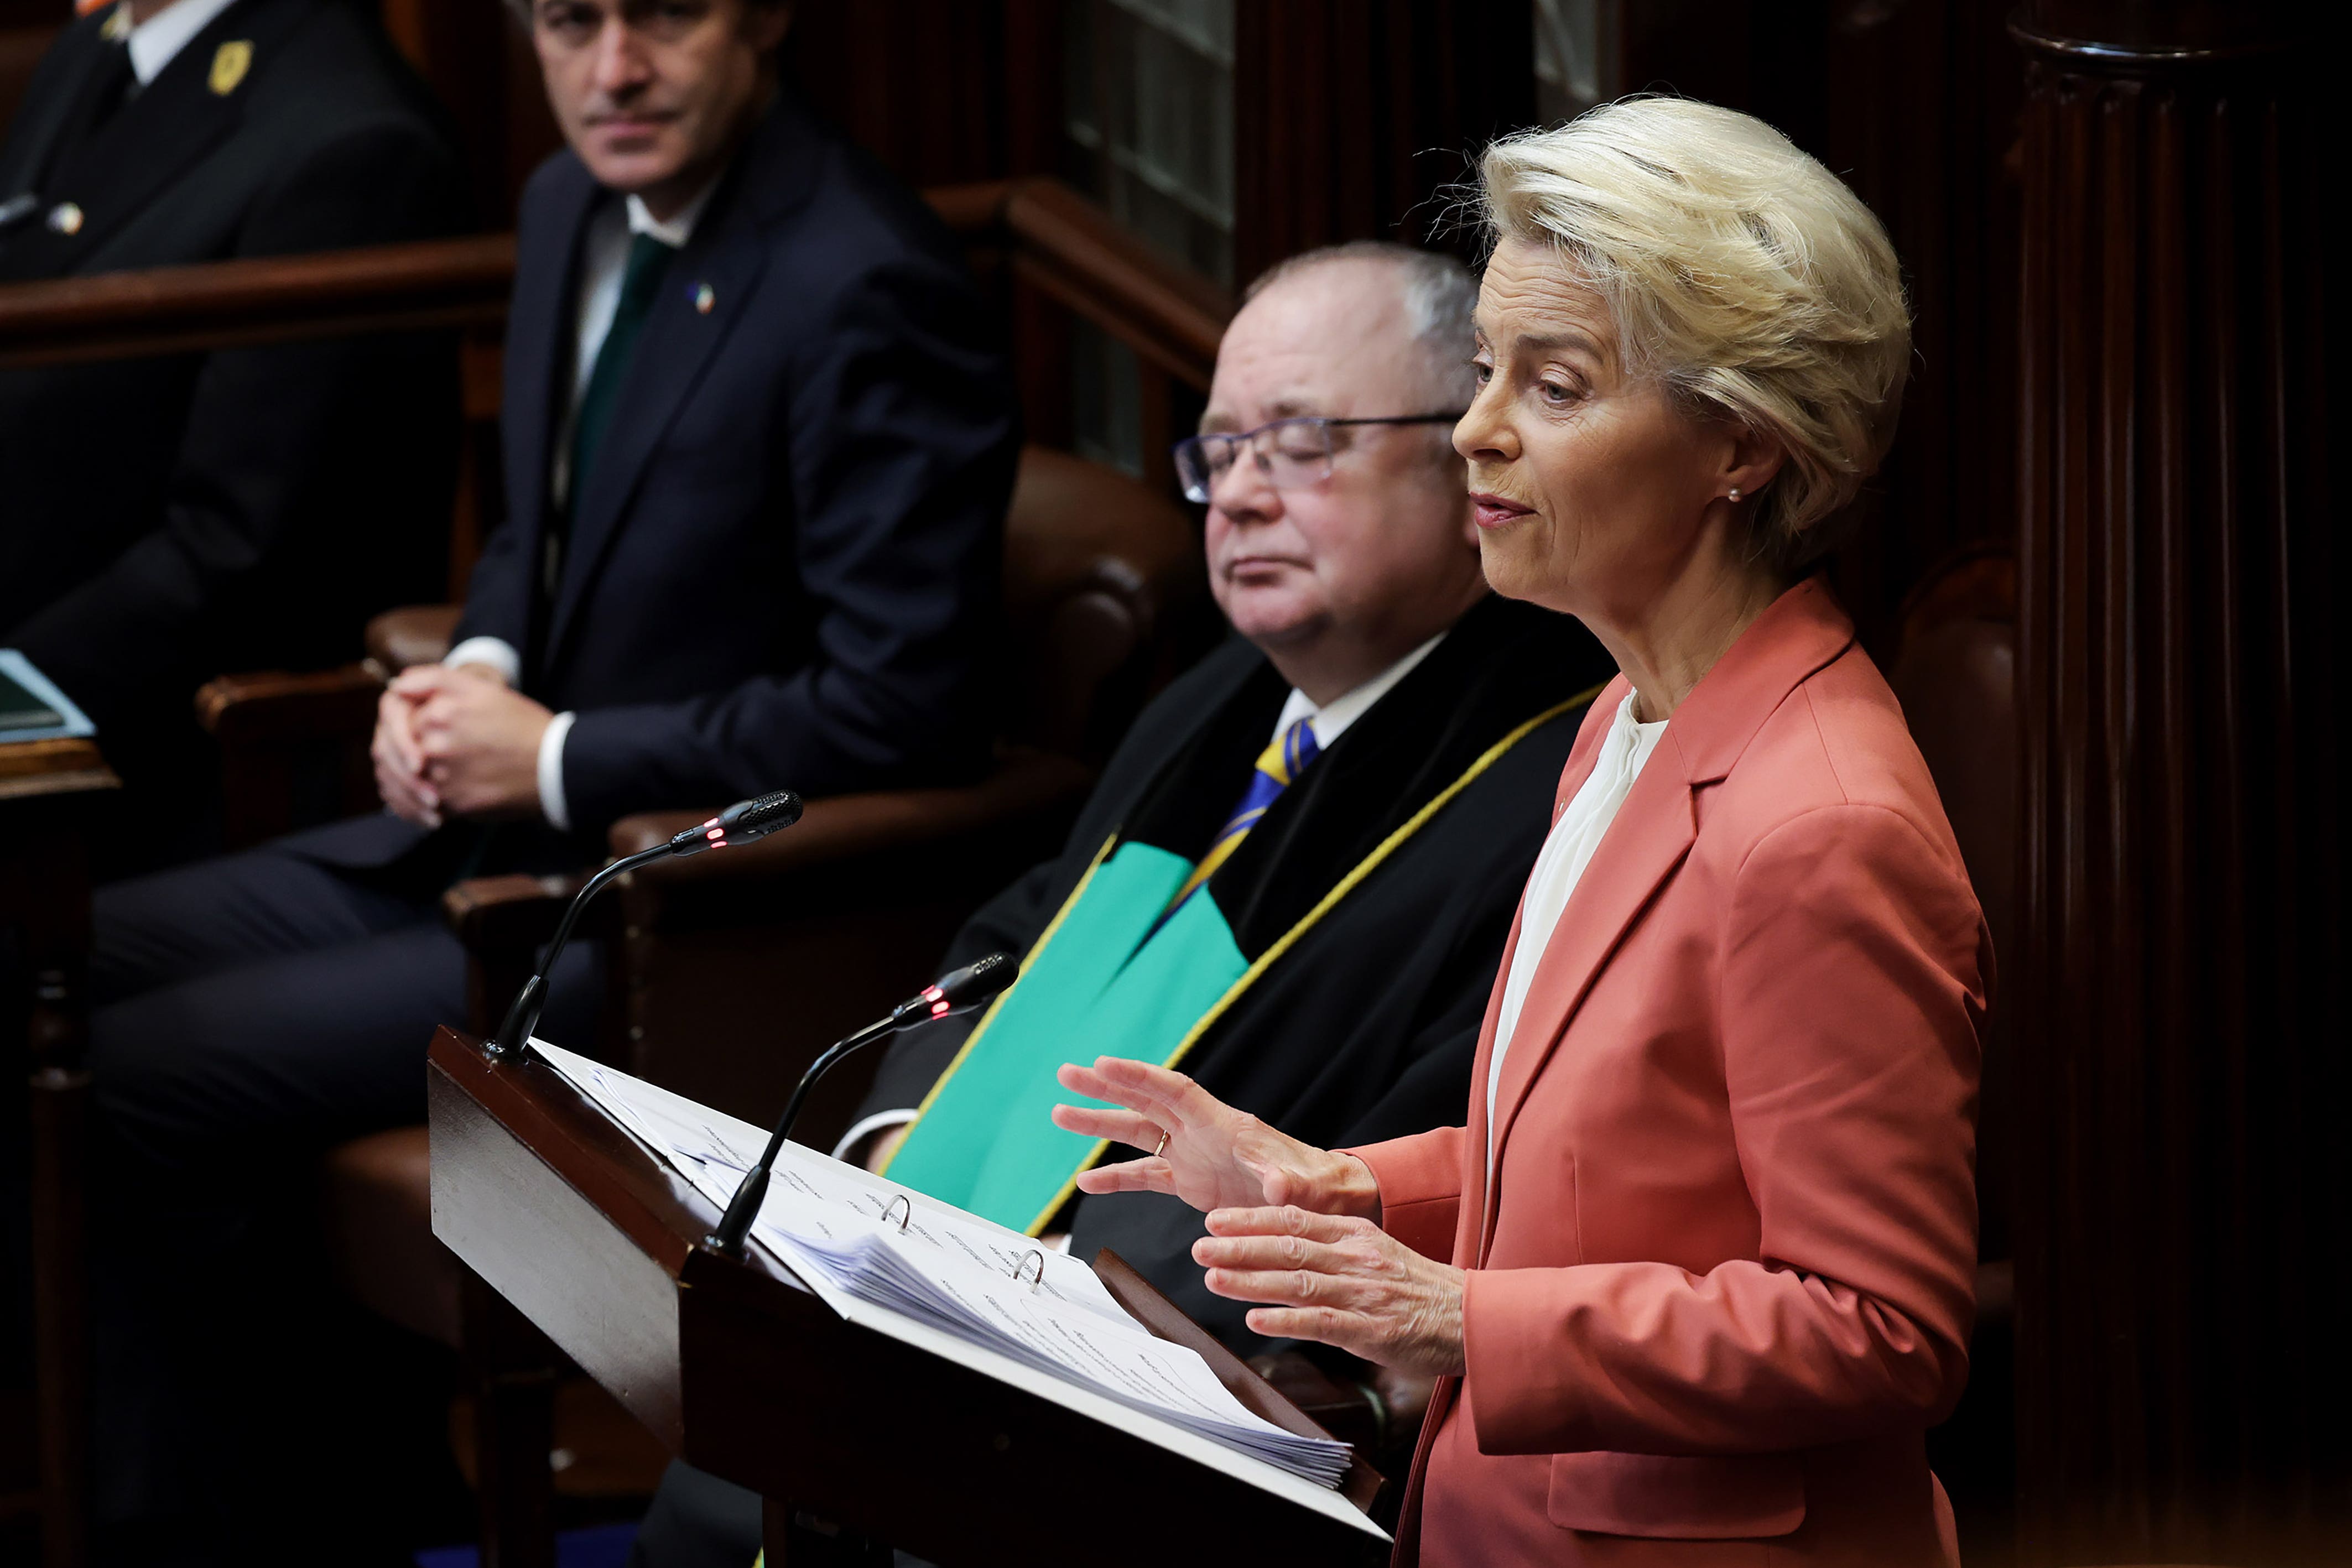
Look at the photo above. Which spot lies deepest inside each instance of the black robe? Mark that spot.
(1365, 1027)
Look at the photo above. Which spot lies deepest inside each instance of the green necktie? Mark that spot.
(647, 256)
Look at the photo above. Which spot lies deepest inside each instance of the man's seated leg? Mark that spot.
(698, 1520)
(226, 1065)
(223, 913)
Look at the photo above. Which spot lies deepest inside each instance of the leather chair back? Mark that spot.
(1956, 676)
(1102, 574)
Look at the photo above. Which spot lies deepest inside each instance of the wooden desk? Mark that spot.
(739, 1370)
(46, 790)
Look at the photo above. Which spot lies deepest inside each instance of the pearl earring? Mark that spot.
(1735, 493)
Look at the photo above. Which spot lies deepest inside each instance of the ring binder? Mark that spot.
(903, 1208)
(1020, 1269)
(743, 1345)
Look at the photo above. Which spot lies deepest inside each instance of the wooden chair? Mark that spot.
(1956, 675)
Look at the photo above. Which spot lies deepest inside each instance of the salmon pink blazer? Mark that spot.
(1720, 1284)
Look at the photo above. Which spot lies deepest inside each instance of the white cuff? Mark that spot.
(496, 653)
(551, 771)
(880, 1122)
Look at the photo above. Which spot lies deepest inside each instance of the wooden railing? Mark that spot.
(1054, 237)
(257, 300)
(1072, 250)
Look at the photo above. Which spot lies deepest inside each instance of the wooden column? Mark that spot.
(2185, 1259)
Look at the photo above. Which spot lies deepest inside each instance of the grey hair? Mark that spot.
(1440, 297)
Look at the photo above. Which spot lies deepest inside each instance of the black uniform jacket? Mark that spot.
(164, 520)
(1365, 1028)
(782, 567)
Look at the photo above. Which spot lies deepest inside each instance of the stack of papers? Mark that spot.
(860, 1241)
(31, 706)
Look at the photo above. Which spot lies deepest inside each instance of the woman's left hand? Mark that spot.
(1343, 1281)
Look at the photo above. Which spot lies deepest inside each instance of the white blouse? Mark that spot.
(1567, 851)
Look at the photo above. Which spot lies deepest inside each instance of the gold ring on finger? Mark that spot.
(1162, 1148)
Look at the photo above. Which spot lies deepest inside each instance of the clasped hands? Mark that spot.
(456, 740)
(1289, 1225)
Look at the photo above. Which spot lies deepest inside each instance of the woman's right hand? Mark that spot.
(1213, 1157)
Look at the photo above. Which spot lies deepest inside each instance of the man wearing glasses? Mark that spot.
(1297, 875)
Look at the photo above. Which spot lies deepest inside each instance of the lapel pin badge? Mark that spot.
(66, 218)
(116, 27)
(230, 62)
(704, 297)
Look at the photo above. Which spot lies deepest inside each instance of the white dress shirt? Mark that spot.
(1329, 721)
(154, 41)
(1568, 849)
(604, 259)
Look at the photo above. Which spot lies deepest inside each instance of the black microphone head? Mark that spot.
(960, 990)
(979, 981)
(740, 823)
(748, 820)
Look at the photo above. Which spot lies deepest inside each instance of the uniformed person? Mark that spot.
(166, 519)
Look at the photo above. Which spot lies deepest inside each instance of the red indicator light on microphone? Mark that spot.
(940, 1008)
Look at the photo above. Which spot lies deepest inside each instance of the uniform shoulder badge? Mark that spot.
(230, 62)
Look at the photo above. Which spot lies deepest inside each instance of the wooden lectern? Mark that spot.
(741, 1371)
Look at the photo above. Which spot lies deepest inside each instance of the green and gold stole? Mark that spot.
(1100, 980)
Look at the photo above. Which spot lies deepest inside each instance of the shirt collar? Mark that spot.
(153, 43)
(674, 232)
(1332, 719)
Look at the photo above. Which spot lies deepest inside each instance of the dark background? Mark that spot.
(2109, 216)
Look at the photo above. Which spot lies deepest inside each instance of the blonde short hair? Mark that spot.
(1740, 273)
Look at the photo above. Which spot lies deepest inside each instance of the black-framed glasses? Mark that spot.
(1293, 453)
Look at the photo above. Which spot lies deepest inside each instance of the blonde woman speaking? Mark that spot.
(1697, 1270)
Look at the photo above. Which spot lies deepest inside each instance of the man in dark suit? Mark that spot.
(758, 441)
(163, 520)
(1297, 873)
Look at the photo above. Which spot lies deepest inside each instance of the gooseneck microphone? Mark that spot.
(959, 991)
(739, 824)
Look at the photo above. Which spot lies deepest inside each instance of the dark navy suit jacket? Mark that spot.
(782, 569)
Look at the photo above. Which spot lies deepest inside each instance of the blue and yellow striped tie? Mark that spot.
(1278, 767)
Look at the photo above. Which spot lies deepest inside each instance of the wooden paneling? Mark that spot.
(1350, 117)
(2184, 1382)
(1915, 105)
(462, 51)
(941, 91)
